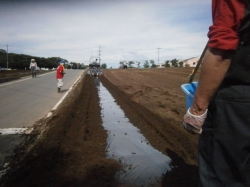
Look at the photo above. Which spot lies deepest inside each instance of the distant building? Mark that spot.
(160, 65)
(191, 62)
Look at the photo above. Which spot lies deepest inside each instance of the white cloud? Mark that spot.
(129, 30)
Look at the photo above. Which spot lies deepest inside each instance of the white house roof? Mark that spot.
(191, 62)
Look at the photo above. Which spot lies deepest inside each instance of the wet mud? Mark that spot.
(70, 148)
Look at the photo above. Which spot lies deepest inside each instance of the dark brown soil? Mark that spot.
(10, 75)
(70, 148)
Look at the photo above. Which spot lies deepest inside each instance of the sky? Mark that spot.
(117, 30)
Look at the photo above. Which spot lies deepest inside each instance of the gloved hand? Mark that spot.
(193, 123)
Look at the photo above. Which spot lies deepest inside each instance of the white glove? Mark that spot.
(194, 123)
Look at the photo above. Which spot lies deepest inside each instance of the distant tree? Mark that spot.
(104, 66)
(130, 64)
(167, 63)
(82, 66)
(180, 64)
(75, 65)
(123, 64)
(72, 65)
(146, 64)
(174, 62)
(138, 64)
(152, 62)
(22, 61)
(78, 66)
(54, 61)
(67, 66)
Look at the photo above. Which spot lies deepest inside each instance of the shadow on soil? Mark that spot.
(182, 174)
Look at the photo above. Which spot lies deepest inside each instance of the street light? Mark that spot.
(7, 56)
(158, 54)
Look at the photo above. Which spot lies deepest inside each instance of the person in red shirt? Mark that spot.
(59, 75)
(220, 112)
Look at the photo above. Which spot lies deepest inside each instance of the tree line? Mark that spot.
(22, 61)
(152, 64)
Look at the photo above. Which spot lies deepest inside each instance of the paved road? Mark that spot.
(27, 100)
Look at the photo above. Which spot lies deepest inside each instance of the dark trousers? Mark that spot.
(33, 71)
(224, 145)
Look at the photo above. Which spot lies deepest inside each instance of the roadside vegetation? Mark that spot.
(22, 61)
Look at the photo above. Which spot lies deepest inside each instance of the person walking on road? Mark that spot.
(59, 75)
(33, 66)
(220, 110)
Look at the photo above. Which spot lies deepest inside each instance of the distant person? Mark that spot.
(33, 67)
(59, 75)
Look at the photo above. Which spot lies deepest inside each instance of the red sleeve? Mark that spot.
(227, 16)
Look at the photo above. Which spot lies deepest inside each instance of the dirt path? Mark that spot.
(70, 150)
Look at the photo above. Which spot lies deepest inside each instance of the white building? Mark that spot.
(191, 62)
(160, 65)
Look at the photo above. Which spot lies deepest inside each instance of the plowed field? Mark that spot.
(68, 148)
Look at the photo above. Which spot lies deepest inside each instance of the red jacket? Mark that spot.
(227, 17)
(60, 72)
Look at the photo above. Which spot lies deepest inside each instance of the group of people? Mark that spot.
(59, 72)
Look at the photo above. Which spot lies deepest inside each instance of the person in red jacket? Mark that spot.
(220, 112)
(59, 75)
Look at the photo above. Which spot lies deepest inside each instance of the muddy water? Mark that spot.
(10, 138)
(7, 145)
(143, 165)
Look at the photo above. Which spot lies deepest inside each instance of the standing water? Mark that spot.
(142, 164)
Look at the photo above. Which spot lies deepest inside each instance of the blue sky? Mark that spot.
(121, 29)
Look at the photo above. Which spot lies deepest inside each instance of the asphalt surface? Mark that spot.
(27, 100)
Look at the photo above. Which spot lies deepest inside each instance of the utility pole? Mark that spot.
(158, 54)
(100, 55)
(7, 55)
